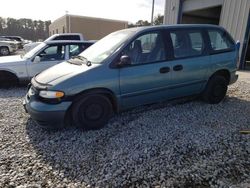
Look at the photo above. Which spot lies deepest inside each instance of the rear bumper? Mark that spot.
(49, 116)
(233, 77)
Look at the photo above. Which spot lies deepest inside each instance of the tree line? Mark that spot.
(158, 20)
(27, 28)
(39, 30)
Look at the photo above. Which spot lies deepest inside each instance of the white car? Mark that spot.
(30, 46)
(19, 40)
(62, 36)
(7, 47)
(19, 69)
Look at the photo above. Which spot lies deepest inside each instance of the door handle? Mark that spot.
(164, 70)
(178, 68)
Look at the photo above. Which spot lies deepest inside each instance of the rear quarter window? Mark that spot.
(220, 41)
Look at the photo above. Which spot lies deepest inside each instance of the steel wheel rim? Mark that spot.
(4, 51)
(92, 112)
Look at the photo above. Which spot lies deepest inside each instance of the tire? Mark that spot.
(8, 80)
(4, 51)
(215, 90)
(91, 112)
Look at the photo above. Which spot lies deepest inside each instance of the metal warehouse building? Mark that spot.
(233, 15)
(91, 28)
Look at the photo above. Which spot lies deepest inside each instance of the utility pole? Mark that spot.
(152, 15)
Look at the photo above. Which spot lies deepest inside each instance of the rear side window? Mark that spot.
(220, 41)
(67, 37)
(187, 43)
(196, 41)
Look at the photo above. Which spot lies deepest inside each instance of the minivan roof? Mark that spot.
(143, 28)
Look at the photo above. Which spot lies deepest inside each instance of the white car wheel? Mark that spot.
(4, 51)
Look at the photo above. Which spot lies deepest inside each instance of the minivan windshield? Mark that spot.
(106, 46)
(30, 54)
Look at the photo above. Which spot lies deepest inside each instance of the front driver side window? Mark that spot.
(53, 53)
(147, 48)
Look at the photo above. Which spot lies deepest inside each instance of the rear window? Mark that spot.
(220, 41)
(187, 43)
(67, 37)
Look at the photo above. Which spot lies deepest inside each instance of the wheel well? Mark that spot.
(225, 73)
(6, 74)
(4, 47)
(103, 91)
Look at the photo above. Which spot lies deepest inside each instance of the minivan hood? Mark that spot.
(61, 71)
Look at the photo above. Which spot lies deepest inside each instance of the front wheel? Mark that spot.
(4, 51)
(215, 90)
(92, 112)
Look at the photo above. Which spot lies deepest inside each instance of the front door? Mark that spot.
(147, 78)
(190, 62)
(49, 57)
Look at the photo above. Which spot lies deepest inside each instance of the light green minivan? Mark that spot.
(134, 67)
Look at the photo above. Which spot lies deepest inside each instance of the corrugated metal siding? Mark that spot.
(171, 11)
(234, 18)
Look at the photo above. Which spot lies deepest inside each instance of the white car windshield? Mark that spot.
(106, 46)
(31, 53)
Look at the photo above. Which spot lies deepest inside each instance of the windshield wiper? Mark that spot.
(84, 59)
(77, 60)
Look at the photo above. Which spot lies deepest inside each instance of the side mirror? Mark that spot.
(37, 59)
(124, 60)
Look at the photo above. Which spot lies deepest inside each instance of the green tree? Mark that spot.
(158, 20)
(142, 23)
(1, 25)
(26, 28)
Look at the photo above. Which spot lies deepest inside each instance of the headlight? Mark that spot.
(51, 94)
(31, 92)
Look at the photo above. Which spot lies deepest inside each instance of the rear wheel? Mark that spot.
(91, 112)
(215, 90)
(4, 51)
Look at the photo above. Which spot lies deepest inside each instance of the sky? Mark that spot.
(127, 10)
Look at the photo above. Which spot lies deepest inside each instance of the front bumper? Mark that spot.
(12, 49)
(49, 116)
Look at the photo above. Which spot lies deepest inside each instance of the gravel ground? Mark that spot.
(181, 143)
